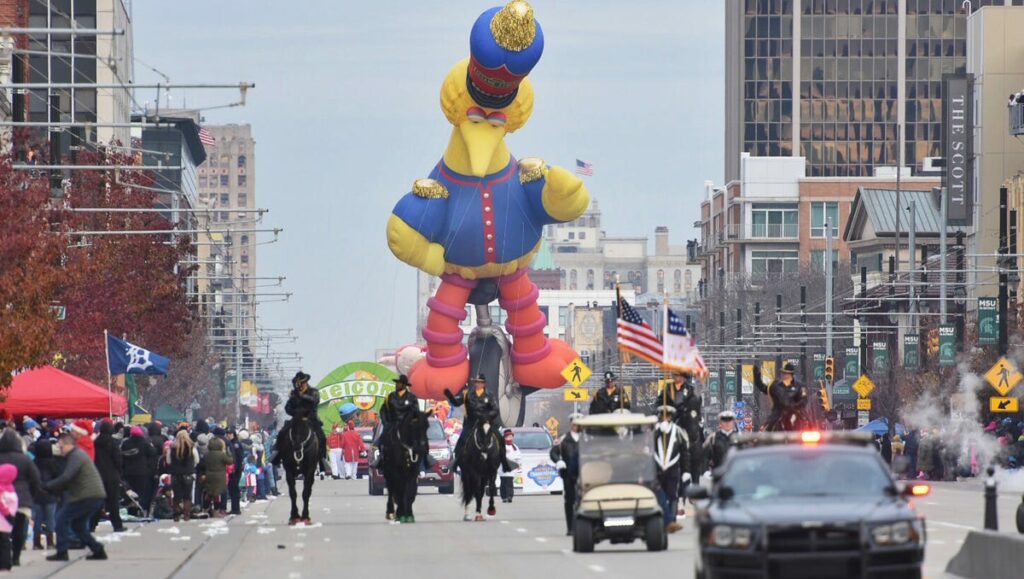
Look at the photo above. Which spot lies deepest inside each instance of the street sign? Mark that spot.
(863, 404)
(997, 404)
(767, 372)
(1003, 376)
(818, 360)
(747, 384)
(947, 345)
(576, 394)
(552, 425)
(60, 312)
(863, 417)
(576, 373)
(864, 386)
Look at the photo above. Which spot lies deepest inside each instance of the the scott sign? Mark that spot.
(354, 389)
(957, 137)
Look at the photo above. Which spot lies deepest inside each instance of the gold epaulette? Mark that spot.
(429, 189)
(531, 169)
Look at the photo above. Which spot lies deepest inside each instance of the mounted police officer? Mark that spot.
(397, 406)
(681, 395)
(717, 446)
(303, 402)
(789, 400)
(671, 455)
(480, 407)
(566, 456)
(610, 398)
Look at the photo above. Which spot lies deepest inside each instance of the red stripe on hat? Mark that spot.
(494, 81)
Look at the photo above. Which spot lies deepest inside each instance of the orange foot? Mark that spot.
(547, 372)
(430, 382)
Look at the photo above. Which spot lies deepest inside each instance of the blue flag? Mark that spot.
(127, 358)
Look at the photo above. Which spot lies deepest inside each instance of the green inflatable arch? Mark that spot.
(367, 391)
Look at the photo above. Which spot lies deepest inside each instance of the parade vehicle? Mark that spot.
(617, 483)
(438, 476)
(536, 467)
(808, 505)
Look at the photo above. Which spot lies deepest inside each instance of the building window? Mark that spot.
(245, 259)
(225, 200)
(774, 262)
(774, 220)
(223, 215)
(572, 235)
(572, 279)
(224, 180)
(583, 235)
(242, 180)
(245, 239)
(689, 280)
(678, 281)
(818, 261)
(661, 281)
(243, 199)
(563, 316)
(202, 181)
(241, 161)
(819, 211)
(590, 278)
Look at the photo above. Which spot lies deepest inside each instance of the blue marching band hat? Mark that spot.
(504, 46)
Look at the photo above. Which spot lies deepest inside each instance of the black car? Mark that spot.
(814, 505)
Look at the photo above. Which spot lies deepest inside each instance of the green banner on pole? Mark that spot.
(133, 394)
(713, 382)
(988, 321)
(818, 366)
(912, 351)
(879, 356)
(851, 366)
(730, 383)
(230, 385)
(947, 345)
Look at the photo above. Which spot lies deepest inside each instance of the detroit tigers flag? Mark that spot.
(127, 358)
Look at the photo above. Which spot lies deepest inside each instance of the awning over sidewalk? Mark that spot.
(47, 391)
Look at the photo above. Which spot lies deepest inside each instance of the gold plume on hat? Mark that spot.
(513, 26)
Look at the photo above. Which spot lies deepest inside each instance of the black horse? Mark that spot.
(481, 456)
(300, 455)
(405, 449)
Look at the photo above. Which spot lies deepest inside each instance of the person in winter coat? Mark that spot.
(671, 454)
(82, 430)
(44, 505)
(138, 457)
(926, 456)
(335, 441)
(352, 447)
(215, 475)
(237, 454)
(109, 463)
(515, 455)
(566, 456)
(83, 496)
(689, 416)
(609, 398)
(717, 446)
(8, 507)
(788, 398)
(12, 451)
(181, 459)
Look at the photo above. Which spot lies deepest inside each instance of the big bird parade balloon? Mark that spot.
(481, 213)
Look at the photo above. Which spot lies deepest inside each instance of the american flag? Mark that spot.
(583, 168)
(635, 335)
(681, 352)
(206, 138)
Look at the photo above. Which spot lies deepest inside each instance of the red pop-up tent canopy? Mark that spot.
(47, 391)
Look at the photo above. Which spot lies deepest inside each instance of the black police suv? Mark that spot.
(808, 505)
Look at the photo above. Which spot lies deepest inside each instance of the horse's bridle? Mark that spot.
(299, 451)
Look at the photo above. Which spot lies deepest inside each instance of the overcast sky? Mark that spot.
(345, 115)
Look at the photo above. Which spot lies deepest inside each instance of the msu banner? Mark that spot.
(947, 345)
(912, 351)
(988, 321)
(879, 356)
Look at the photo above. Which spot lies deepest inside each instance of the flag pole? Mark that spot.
(618, 305)
(110, 401)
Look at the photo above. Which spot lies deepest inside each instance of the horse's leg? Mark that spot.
(490, 496)
(307, 490)
(290, 477)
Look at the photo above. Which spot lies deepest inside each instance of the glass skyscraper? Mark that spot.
(840, 82)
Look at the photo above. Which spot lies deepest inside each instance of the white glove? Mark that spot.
(423, 474)
(707, 474)
(687, 478)
(560, 465)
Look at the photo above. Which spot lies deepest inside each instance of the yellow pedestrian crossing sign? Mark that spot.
(996, 404)
(576, 394)
(863, 386)
(1003, 376)
(576, 373)
(552, 424)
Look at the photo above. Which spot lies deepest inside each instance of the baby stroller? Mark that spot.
(162, 507)
(130, 503)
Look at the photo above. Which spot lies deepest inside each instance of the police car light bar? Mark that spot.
(811, 437)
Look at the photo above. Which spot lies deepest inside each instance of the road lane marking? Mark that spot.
(951, 525)
(596, 568)
(540, 539)
(520, 530)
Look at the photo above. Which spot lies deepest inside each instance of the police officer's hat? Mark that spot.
(666, 409)
(788, 368)
(726, 415)
(574, 417)
(402, 379)
(609, 376)
(480, 378)
(300, 377)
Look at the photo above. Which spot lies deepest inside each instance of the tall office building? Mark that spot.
(840, 82)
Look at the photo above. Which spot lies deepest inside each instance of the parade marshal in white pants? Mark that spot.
(334, 445)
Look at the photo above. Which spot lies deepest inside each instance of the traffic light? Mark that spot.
(826, 404)
(830, 369)
(933, 341)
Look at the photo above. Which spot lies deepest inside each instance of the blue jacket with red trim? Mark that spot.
(494, 219)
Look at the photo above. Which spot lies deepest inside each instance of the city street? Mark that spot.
(351, 537)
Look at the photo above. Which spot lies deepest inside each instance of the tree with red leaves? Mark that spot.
(30, 257)
(131, 285)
